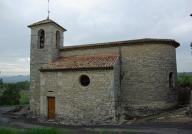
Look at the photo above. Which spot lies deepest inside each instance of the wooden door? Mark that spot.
(51, 107)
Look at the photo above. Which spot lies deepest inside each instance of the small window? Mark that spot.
(58, 39)
(84, 80)
(41, 39)
(171, 82)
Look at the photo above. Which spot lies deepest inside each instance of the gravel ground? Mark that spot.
(135, 128)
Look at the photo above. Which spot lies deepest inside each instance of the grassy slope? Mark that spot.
(58, 131)
(30, 131)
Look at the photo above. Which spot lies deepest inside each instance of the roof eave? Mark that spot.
(35, 25)
(74, 69)
(122, 43)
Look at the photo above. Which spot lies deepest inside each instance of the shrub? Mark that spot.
(14, 93)
(184, 87)
(184, 81)
(184, 95)
(10, 97)
(24, 97)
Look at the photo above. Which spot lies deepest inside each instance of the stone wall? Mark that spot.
(137, 86)
(144, 83)
(145, 78)
(76, 104)
(40, 57)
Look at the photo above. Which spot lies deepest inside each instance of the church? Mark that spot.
(101, 83)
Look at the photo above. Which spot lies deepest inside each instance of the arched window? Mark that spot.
(58, 39)
(41, 39)
(171, 84)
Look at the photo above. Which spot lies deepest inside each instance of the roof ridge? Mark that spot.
(123, 42)
(45, 22)
(94, 55)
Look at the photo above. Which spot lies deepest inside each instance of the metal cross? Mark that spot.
(191, 42)
(48, 11)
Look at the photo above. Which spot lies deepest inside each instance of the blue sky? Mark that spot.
(90, 21)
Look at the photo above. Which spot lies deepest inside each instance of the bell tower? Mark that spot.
(46, 40)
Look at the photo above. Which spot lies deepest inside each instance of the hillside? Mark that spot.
(185, 73)
(14, 79)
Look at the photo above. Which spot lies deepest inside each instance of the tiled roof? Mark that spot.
(82, 63)
(46, 22)
(122, 43)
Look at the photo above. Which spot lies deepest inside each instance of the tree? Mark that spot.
(1, 86)
(191, 42)
(191, 46)
(10, 96)
(1, 82)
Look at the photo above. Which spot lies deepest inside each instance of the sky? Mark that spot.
(92, 21)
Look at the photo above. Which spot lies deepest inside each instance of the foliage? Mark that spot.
(13, 93)
(30, 131)
(1, 81)
(10, 96)
(24, 97)
(184, 87)
(19, 85)
(184, 95)
(184, 81)
(1, 86)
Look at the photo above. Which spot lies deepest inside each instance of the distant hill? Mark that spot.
(14, 79)
(20, 78)
(185, 73)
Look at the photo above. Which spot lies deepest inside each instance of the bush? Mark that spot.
(1, 86)
(184, 81)
(10, 97)
(24, 97)
(184, 95)
(14, 93)
(184, 87)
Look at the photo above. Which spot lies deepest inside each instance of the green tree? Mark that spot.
(10, 96)
(1, 86)
(1, 83)
(14, 93)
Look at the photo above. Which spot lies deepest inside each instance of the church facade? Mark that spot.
(101, 83)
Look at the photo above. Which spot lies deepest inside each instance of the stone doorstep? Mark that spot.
(50, 121)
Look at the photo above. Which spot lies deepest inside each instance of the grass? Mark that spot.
(24, 97)
(52, 131)
(30, 131)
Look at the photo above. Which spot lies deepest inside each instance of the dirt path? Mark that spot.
(141, 128)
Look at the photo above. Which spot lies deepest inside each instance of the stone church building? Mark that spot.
(102, 83)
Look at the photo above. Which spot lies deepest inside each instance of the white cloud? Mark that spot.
(15, 67)
(90, 21)
(184, 64)
(23, 60)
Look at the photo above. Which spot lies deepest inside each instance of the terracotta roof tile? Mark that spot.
(82, 62)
